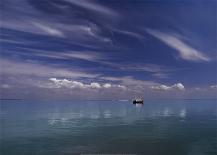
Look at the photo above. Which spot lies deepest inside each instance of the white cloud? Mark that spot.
(67, 55)
(90, 5)
(177, 86)
(154, 68)
(67, 83)
(161, 75)
(160, 87)
(39, 70)
(92, 30)
(64, 83)
(89, 56)
(122, 87)
(131, 82)
(49, 30)
(23, 16)
(5, 86)
(130, 33)
(197, 88)
(186, 52)
(213, 86)
(107, 85)
(95, 85)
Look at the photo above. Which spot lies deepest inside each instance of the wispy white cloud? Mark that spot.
(213, 86)
(25, 17)
(136, 86)
(91, 56)
(10, 41)
(130, 33)
(48, 29)
(186, 52)
(17, 68)
(153, 68)
(156, 70)
(177, 86)
(82, 55)
(91, 5)
(161, 75)
(5, 86)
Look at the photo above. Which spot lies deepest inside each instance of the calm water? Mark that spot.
(160, 127)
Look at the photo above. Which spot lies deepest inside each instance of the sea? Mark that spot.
(158, 127)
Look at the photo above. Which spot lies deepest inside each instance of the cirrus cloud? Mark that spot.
(185, 51)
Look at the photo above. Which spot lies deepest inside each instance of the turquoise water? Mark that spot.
(159, 127)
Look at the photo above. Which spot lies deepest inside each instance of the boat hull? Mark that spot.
(138, 102)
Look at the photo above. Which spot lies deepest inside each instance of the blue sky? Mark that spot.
(108, 49)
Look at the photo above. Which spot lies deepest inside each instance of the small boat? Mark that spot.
(138, 101)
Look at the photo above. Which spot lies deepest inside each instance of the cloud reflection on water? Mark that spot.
(124, 112)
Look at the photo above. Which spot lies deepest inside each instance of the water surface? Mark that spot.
(159, 127)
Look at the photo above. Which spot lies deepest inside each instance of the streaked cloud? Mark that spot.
(17, 68)
(131, 33)
(48, 29)
(89, 56)
(156, 70)
(185, 51)
(5, 86)
(145, 67)
(135, 86)
(91, 5)
(67, 55)
(161, 75)
(25, 16)
(105, 59)
(99, 46)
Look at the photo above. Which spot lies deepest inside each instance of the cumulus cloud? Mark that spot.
(177, 86)
(185, 51)
(95, 85)
(107, 85)
(65, 83)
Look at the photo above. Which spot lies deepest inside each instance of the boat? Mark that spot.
(138, 101)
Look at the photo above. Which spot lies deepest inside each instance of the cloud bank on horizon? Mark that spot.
(108, 49)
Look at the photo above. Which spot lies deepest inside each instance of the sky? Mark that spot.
(108, 49)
